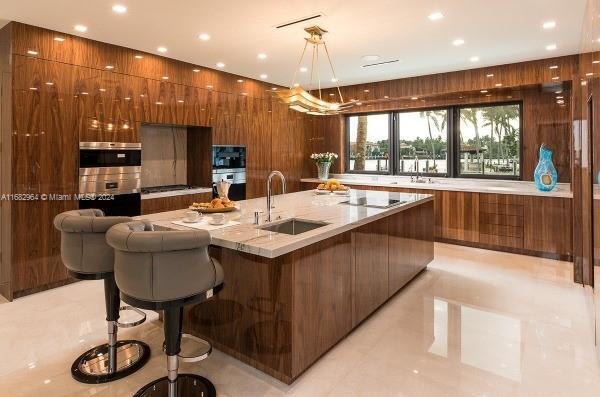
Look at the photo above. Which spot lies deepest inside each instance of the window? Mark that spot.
(423, 142)
(482, 141)
(368, 143)
(489, 140)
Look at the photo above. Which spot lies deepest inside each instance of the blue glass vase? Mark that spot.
(545, 175)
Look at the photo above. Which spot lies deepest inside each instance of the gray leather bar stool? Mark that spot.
(87, 256)
(166, 270)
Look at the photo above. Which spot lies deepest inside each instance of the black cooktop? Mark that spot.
(166, 188)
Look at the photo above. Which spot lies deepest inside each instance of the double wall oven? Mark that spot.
(110, 176)
(229, 164)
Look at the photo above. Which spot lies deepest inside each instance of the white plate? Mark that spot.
(319, 191)
(215, 223)
(341, 192)
(188, 221)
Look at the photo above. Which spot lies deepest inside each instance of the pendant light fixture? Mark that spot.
(301, 100)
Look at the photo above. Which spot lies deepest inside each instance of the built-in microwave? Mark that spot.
(110, 174)
(228, 157)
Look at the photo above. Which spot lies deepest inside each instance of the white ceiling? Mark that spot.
(498, 32)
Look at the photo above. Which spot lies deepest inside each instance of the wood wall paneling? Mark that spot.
(172, 203)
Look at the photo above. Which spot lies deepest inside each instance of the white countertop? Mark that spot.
(246, 237)
(524, 188)
(171, 193)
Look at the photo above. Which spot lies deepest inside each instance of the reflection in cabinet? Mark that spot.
(370, 243)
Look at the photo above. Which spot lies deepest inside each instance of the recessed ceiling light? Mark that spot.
(555, 78)
(84, 93)
(332, 94)
(595, 62)
(240, 81)
(59, 39)
(554, 67)
(296, 84)
(365, 90)
(370, 57)
(49, 83)
(551, 47)
(195, 70)
(274, 88)
(262, 55)
(435, 16)
(180, 100)
(209, 86)
(138, 57)
(589, 74)
(334, 80)
(358, 103)
(109, 67)
(102, 89)
(490, 75)
(263, 76)
(220, 65)
(80, 28)
(488, 95)
(549, 25)
(244, 93)
(33, 88)
(498, 84)
(559, 97)
(162, 49)
(119, 8)
(165, 77)
(204, 36)
(484, 91)
(560, 101)
(303, 69)
(32, 52)
(474, 59)
(414, 98)
(386, 97)
(458, 42)
(159, 103)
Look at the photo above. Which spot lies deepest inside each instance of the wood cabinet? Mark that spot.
(529, 225)
(370, 244)
(172, 203)
(548, 225)
(410, 244)
(460, 216)
(501, 220)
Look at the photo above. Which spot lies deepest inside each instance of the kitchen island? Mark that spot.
(289, 298)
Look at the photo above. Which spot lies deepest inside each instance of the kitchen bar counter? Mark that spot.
(288, 299)
(522, 188)
(246, 237)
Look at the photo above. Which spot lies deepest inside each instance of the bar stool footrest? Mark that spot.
(204, 347)
(132, 323)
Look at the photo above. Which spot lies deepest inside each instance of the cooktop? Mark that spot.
(166, 188)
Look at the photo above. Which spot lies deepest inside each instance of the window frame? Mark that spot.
(391, 160)
(456, 142)
(453, 139)
(449, 127)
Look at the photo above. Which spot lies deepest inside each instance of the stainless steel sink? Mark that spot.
(293, 226)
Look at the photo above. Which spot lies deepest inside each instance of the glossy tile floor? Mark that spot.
(476, 323)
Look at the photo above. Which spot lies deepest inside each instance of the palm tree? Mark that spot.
(439, 119)
(361, 144)
(470, 116)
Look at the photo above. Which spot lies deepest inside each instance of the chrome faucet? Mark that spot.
(270, 191)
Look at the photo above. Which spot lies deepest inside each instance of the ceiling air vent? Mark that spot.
(304, 19)
(379, 63)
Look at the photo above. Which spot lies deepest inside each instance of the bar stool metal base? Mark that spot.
(93, 366)
(188, 385)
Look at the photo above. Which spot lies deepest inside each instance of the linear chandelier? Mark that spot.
(301, 100)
